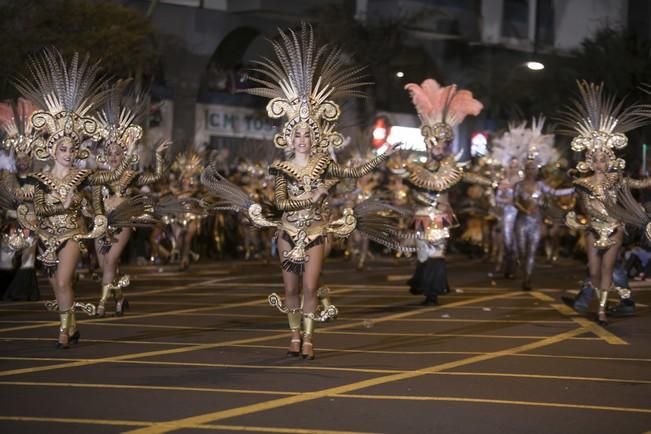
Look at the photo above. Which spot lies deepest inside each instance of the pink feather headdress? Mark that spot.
(436, 104)
(15, 121)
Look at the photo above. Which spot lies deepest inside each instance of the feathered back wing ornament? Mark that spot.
(510, 145)
(65, 94)
(117, 118)
(599, 121)
(302, 84)
(441, 108)
(15, 121)
(541, 145)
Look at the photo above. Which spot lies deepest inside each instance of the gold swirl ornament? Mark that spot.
(277, 302)
(255, 215)
(345, 225)
(87, 308)
(100, 225)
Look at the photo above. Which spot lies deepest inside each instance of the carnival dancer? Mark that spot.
(599, 122)
(440, 110)
(187, 224)
(118, 133)
(529, 200)
(302, 86)
(15, 120)
(66, 93)
(510, 151)
(530, 196)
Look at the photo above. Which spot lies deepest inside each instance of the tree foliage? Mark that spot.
(122, 37)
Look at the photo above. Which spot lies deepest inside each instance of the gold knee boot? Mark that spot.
(294, 317)
(107, 290)
(64, 329)
(601, 313)
(73, 333)
(307, 350)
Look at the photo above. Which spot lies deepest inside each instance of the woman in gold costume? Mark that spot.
(599, 123)
(66, 94)
(119, 133)
(301, 87)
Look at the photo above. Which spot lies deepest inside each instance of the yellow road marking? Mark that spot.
(327, 331)
(540, 296)
(565, 310)
(80, 421)
(144, 315)
(482, 401)
(226, 343)
(144, 387)
(594, 328)
(600, 331)
(146, 292)
(205, 427)
(427, 353)
(163, 427)
(107, 341)
(546, 377)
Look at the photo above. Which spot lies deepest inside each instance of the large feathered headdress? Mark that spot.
(441, 108)
(117, 118)
(599, 122)
(524, 144)
(302, 85)
(15, 121)
(66, 94)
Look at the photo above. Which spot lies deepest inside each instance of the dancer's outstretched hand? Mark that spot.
(164, 144)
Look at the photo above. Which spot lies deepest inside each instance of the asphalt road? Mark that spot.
(202, 351)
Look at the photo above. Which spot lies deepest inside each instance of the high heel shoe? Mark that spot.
(296, 353)
(307, 355)
(74, 339)
(107, 290)
(63, 345)
(601, 317)
(101, 309)
(121, 306)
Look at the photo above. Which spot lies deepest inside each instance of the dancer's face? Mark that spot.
(302, 141)
(65, 153)
(600, 162)
(531, 170)
(114, 156)
(23, 162)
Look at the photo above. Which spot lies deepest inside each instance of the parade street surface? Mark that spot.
(202, 351)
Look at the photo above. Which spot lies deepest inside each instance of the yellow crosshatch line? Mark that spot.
(174, 425)
(594, 328)
(495, 401)
(137, 292)
(341, 318)
(303, 368)
(586, 327)
(228, 343)
(339, 350)
(326, 331)
(206, 426)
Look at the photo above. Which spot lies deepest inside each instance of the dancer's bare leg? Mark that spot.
(61, 282)
(311, 277)
(292, 300)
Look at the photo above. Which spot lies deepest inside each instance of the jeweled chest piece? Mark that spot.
(62, 191)
(307, 183)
